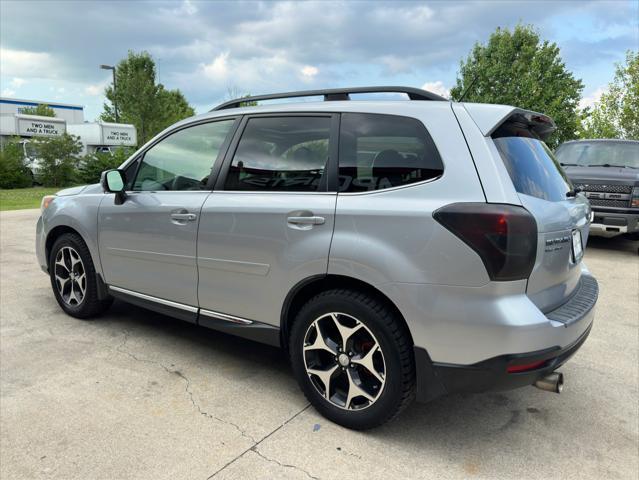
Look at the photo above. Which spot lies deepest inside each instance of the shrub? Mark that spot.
(13, 170)
(58, 158)
(94, 164)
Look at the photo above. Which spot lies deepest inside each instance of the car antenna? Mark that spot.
(470, 85)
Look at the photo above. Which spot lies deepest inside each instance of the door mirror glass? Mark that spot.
(113, 181)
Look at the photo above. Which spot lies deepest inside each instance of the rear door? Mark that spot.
(268, 224)
(562, 217)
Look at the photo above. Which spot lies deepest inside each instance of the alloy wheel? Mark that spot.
(344, 361)
(70, 276)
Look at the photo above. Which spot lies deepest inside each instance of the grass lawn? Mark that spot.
(19, 198)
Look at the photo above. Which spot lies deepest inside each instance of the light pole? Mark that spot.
(115, 102)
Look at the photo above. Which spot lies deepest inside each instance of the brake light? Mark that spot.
(504, 236)
(524, 367)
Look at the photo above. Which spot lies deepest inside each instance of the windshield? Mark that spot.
(613, 154)
(532, 168)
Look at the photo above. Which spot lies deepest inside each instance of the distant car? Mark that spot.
(608, 172)
(394, 249)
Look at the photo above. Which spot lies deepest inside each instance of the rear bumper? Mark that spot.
(609, 224)
(573, 317)
(437, 379)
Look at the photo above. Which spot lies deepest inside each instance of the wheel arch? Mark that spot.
(56, 233)
(311, 286)
(59, 230)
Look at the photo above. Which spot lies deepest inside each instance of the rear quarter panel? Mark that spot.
(390, 235)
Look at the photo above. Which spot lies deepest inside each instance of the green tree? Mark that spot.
(42, 110)
(616, 114)
(518, 68)
(142, 102)
(13, 170)
(59, 159)
(92, 165)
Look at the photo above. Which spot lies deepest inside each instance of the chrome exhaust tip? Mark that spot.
(551, 383)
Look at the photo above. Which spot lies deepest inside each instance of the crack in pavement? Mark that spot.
(253, 448)
(286, 465)
(187, 388)
(255, 443)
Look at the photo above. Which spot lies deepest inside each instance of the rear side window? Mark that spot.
(533, 168)
(384, 151)
(281, 154)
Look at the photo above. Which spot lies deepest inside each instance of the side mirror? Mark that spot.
(112, 181)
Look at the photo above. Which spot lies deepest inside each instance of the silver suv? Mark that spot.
(395, 249)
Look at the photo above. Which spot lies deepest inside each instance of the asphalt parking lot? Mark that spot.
(138, 395)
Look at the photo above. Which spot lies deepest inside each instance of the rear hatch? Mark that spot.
(562, 217)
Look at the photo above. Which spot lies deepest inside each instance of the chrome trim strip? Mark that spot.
(150, 298)
(225, 317)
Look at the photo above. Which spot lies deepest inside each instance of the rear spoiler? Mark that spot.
(490, 117)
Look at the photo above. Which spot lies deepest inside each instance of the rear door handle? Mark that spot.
(313, 220)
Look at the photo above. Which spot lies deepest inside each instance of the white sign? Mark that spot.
(118, 136)
(40, 128)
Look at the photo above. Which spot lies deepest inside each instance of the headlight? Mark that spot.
(46, 201)
(634, 202)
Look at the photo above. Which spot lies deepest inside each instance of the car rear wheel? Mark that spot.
(73, 278)
(352, 357)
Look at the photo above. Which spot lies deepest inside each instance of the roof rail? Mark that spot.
(333, 94)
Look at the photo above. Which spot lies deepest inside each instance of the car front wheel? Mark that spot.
(73, 278)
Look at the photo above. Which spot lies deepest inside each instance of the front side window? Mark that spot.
(384, 151)
(280, 154)
(183, 160)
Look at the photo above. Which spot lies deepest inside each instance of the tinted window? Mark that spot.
(383, 151)
(621, 154)
(532, 168)
(280, 154)
(182, 161)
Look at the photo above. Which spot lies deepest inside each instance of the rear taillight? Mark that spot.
(504, 236)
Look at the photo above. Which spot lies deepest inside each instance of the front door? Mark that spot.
(148, 243)
(269, 223)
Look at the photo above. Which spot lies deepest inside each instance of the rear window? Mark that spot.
(533, 168)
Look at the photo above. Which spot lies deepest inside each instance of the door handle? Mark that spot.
(184, 217)
(313, 220)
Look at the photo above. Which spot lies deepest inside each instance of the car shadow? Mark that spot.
(619, 243)
(451, 417)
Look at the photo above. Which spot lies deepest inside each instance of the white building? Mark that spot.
(96, 136)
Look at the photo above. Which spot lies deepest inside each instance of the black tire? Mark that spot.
(393, 339)
(91, 306)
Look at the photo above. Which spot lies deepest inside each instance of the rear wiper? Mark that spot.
(568, 164)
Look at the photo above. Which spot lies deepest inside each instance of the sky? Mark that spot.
(51, 50)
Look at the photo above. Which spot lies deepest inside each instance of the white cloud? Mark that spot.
(23, 63)
(7, 92)
(592, 98)
(218, 69)
(18, 82)
(309, 71)
(186, 8)
(437, 87)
